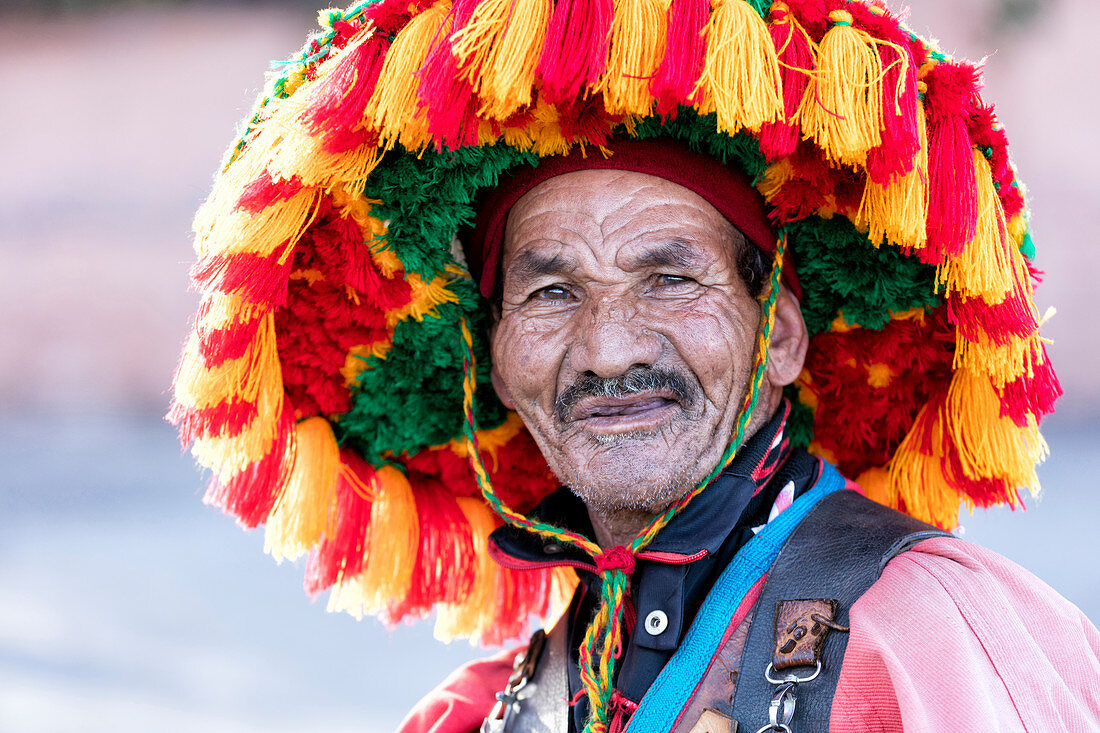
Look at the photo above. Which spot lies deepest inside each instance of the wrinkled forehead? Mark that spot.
(612, 213)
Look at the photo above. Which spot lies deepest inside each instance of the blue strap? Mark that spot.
(670, 692)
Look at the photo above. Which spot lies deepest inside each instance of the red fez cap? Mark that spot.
(726, 189)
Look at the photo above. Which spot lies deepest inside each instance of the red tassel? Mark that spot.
(685, 53)
(222, 344)
(896, 155)
(264, 191)
(338, 142)
(341, 554)
(450, 101)
(982, 492)
(1031, 397)
(796, 63)
(1013, 318)
(444, 563)
(987, 134)
(871, 385)
(250, 495)
(255, 278)
(226, 419)
(587, 121)
(574, 54)
(390, 16)
(952, 186)
(337, 101)
(521, 594)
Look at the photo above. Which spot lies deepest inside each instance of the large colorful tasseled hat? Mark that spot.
(323, 382)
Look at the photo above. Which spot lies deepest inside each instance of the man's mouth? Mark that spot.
(633, 412)
(639, 401)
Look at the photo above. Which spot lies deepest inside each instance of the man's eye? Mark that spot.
(550, 292)
(672, 280)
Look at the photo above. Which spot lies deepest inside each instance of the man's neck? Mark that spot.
(616, 527)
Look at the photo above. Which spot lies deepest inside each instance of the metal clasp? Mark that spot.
(784, 701)
(508, 701)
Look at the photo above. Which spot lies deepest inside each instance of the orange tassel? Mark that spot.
(637, 47)
(741, 79)
(842, 109)
(498, 51)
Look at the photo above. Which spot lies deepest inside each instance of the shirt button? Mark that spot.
(655, 623)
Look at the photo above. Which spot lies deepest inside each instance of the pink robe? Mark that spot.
(951, 637)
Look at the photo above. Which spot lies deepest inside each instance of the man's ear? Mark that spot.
(789, 341)
(498, 382)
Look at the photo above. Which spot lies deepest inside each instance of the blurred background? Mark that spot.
(127, 605)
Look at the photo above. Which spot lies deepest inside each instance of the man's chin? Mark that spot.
(622, 439)
(629, 476)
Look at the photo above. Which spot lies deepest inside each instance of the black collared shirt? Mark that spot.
(674, 573)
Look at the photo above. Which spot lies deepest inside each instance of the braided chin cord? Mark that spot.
(614, 566)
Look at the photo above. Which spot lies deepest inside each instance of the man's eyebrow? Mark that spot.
(528, 265)
(673, 253)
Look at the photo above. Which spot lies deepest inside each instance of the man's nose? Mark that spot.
(612, 336)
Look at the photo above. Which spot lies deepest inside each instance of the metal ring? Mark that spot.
(783, 704)
(790, 676)
(774, 728)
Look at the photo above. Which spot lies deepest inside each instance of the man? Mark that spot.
(625, 340)
(700, 245)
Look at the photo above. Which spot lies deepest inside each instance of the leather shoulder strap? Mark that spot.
(542, 706)
(837, 552)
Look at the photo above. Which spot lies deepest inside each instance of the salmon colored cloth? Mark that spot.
(952, 637)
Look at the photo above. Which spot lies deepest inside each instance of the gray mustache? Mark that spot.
(635, 379)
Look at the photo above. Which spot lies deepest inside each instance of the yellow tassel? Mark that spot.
(1000, 363)
(221, 228)
(476, 614)
(425, 297)
(304, 509)
(875, 483)
(394, 110)
(394, 539)
(990, 265)
(775, 176)
(498, 51)
(490, 441)
(541, 134)
(989, 444)
(242, 379)
(356, 360)
(898, 212)
(1017, 229)
(386, 260)
(740, 79)
(222, 310)
(302, 155)
(563, 582)
(228, 455)
(917, 479)
(638, 31)
(227, 231)
(842, 109)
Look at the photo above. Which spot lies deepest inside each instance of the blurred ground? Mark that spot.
(128, 605)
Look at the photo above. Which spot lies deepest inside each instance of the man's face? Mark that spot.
(626, 336)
